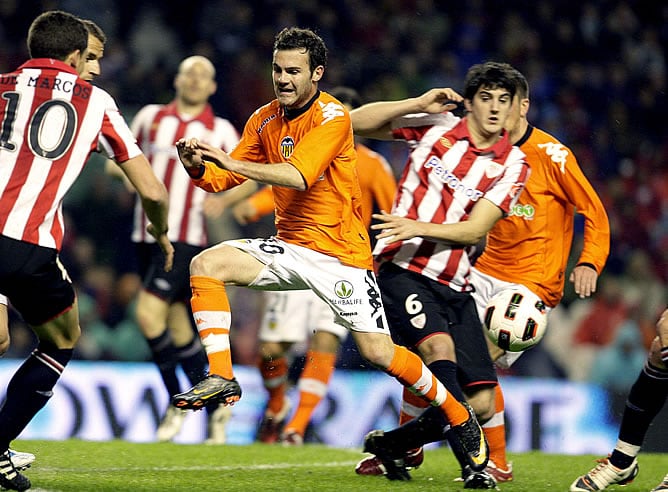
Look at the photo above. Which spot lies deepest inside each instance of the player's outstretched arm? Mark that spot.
(374, 120)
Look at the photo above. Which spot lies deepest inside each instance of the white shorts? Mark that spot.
(294, 315)
(487, 287)
(3, 300)
(351, 293)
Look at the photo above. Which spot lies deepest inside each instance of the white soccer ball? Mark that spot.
(515, 320)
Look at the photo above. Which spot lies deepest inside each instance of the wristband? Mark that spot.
(196, 173)
(584, 263)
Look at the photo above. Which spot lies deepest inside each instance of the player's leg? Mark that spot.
(318, 369)
(209, 272)
(151, 314)
(646, 399)
(284, 323)
(45, 298)
(190, 355)
(274, 368)
(442, 319)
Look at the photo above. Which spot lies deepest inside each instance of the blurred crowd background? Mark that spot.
(597, 71)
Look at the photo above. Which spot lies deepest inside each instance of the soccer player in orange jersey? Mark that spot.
(302, 144)
(297, 316)
(530, 248)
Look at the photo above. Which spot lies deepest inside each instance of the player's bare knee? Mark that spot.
(376, 349)
(483, 403)
(655, 354)
(201, 264)
(4, 345)
(437, 347)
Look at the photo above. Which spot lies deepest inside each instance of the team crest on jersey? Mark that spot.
(493, 170)
(446, 142)
(287, 146)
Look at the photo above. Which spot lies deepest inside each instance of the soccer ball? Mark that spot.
(515, 320)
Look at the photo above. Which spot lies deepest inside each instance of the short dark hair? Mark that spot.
(56, 34)
(95, 30)
(347, 95)
(489, 75)
(522, 84)
(292, 38)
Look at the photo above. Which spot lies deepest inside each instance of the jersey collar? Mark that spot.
(461, 132)
(291, 114)
(525, 137)
(50, 63)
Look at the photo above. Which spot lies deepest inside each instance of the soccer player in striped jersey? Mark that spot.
(94, 53)
(298, 316)
(529, 250)
(462, 176)
(302, 144)
(52, 121)
(163, 302)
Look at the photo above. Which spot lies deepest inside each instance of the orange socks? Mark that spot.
(495, 432)
(274, 374)
(412, 406)
(313, 382)
(409, 369)
(211, 310)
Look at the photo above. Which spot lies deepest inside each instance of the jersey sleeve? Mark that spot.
(383, 185)
(116, 140)
(578, 191)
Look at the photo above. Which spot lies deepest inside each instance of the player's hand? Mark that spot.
(165, 245)
(395, 228)
(244, 212)
(214, 154)
(584, 280)
(439, 100)
(190, 153)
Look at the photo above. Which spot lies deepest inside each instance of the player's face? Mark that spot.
(195, 84)
(488, 110)
(294, 83)
(518, 110)
(92, 57)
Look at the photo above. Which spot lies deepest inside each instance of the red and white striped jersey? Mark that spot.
(443, 179)
(52, 121)
(157, 128)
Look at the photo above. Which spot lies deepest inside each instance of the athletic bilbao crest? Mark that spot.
(287, 146)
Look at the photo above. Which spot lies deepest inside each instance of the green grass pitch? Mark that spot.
(75, 465)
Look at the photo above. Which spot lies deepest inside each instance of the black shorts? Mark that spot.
(418, 307)
(34, 280)
(172, 286)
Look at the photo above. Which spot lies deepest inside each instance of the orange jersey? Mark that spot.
(377, 182)
(531, 246)
(377, 185)
(263, 202)
(318, 141)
